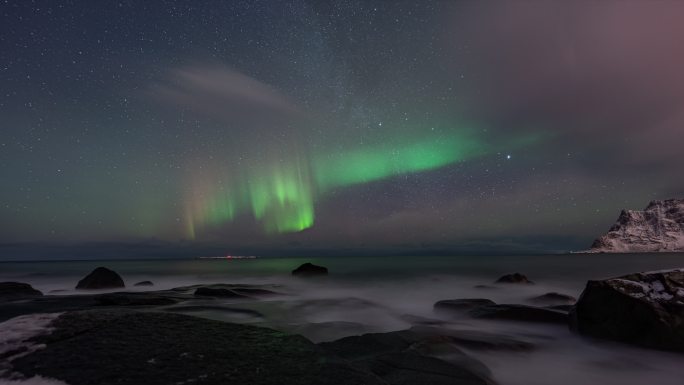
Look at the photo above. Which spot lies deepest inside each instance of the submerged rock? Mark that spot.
(461, 305)
(144, 283)
(519, 313)
(102, 347)
(645, 309)
(310, 270)
(552, 299)
(101, 278)
(17, 290)
(514, 278)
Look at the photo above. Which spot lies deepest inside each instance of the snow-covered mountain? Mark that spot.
(660, 227)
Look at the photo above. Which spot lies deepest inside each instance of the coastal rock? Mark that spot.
(476, 340)
(133, 299)
(460, 305)
(310, 270)
(218, 292)
(411, 357)
(101, 278)
(645, 309)
(553, 299)
(519, 313)
(514, 278)
(126, 347)
(144, 283)
(17, 290)
(659, 227)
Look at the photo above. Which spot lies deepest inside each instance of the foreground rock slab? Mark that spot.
(101, 278)
(120, 347)
(412, 357)
(645, 309)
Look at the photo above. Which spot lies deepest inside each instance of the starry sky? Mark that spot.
(338, 127)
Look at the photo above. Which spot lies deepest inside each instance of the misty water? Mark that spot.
(378, 294)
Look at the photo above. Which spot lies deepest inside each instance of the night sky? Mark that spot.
(394, 126)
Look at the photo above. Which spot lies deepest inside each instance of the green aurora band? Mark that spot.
(282, 196)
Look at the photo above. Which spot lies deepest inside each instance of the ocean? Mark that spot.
(378, 294)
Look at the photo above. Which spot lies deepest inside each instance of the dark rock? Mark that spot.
(163, 348)
(254, 292)
(519, 313)
(645, 309)
(45, 304)
(215, 309)
(310, 270)
(514, 278)
(326, 331)
(101, 278)
(407, 357)
(550, 299)
(476, 340)
(410, 368)
(223, 293)
(17, 290)
(144, 283)
(133, 299)
(461, 305)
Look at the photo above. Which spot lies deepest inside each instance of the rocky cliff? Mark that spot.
(660, 227)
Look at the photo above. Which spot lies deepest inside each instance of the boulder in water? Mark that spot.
(101, 278)
(514, 278)
(17, 290)
(310, 270)
(553, 299)
(144, 283)
(645, 309)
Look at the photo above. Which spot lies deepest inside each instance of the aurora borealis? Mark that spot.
(283, 196)
(362, 125)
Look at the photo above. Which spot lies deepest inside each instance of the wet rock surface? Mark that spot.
(144, 283)
(126, 347)
(645, 309)
(411, 357)
(101, 278)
